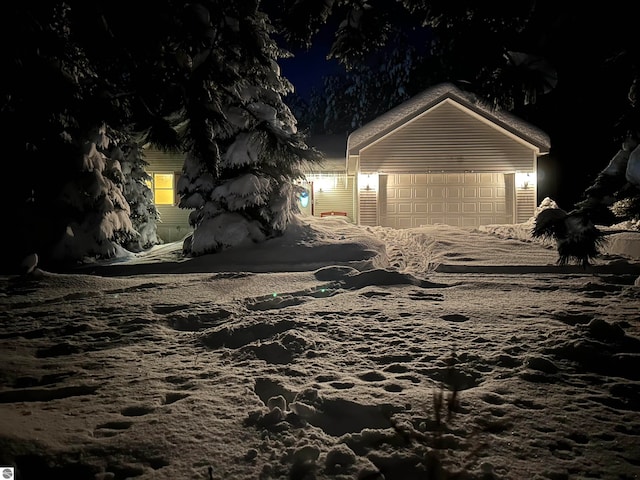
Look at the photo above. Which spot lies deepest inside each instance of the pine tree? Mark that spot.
(71, 206)
(98, 212)
(243, 152)
(349, 100)
(144, 214)
(95, 211)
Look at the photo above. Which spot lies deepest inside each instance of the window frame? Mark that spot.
(173, 188)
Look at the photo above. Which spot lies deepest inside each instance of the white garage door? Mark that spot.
(458, 199)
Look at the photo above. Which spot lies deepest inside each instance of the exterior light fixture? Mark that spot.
(325, 183)
(525, 180)
(368, 181)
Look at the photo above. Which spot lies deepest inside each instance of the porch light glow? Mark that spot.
(525, 180)
(368, 181)
(304, 199)
(324, 183)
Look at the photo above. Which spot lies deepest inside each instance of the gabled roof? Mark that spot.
(415, 106)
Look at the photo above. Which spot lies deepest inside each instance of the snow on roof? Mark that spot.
(420, 103)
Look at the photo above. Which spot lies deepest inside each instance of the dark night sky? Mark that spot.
(306, 68)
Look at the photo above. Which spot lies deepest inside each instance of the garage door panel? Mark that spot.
(453, 192)
(459, 199)
(436, 192)
(404, 193)
(405, 222)
(454, 221)
(485, 207)
(469, 192)
(486, 192)
(405, 208)
(435, 208)
(469, 207)
(453, 207)
(420, 192)
(485, 178)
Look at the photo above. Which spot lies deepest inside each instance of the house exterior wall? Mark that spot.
(368, 202)
(526, 203)
(174, 221)
(447, 165)
(334, 193)
(447, 138)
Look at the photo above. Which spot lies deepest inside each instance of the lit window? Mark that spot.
(163, 189)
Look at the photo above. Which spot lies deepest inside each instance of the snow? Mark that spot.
(332, 352)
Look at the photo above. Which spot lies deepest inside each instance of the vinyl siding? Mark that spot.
(525, 204)
(368, 208)
(163, 161)
(447, 138)
(338, 199)
(174, 221)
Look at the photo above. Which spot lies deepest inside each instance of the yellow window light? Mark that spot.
(163, 180)
(164, 197)
(163, 189)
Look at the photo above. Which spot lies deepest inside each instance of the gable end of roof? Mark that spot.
(416, 106)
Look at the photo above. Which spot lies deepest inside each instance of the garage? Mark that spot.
(457, 199)
(445, 157)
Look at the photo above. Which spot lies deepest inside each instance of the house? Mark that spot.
(439, 157)
(329, 191)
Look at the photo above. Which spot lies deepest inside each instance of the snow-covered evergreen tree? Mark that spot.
(143, 212)
(243, 151)
(376, 88)
(98, 213)
(348, 100)
(54, 121)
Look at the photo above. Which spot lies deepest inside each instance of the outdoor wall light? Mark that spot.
(525, 180)
(368, 181)
(324, 184)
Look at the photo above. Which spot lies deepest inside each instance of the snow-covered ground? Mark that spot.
(334, 352)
